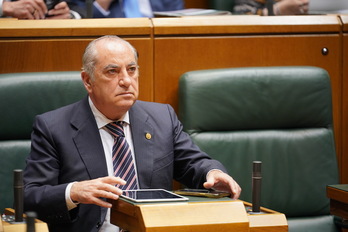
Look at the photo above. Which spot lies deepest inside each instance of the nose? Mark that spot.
(124, 79)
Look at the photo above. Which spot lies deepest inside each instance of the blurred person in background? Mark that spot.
(37, 9)
(121, 9)
(280, 7)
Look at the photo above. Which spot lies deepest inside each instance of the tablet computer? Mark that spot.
(151, 195)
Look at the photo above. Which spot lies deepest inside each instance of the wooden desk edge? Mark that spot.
(337, 194)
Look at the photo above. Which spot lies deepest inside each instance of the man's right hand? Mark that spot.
(90, 191)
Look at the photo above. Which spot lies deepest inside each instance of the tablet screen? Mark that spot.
(151, 195)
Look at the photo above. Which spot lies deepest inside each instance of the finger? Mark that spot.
(60, 10)
(29, 15)
(305, 2)
(113, 180)
(102, 203)
(305, 8)
(40, 7)
(28, 12)
(111, 189)
(36, 14)
(61, 5)
(104, 194)
(208, 185)
(236, 190)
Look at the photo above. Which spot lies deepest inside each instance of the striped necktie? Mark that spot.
(122, 158)
(131, 9)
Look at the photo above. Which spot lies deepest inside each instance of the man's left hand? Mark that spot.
(221, 181)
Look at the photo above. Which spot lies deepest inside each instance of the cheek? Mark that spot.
(135, 84)
(104, 90)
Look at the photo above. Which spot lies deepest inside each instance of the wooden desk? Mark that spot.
(199, 214)
(338, 195)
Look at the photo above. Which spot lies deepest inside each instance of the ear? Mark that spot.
(86, 79)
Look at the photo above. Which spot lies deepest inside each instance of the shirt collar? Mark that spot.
(101, 119)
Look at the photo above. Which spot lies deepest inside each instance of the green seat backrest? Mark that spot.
(281, 116)
(22, 97)
(222, 4)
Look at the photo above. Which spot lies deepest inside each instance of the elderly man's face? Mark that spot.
(115, 86)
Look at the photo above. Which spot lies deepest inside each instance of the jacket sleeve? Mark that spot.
(191, 163)
(42, 192)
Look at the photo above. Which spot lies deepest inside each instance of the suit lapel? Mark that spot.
(88, 141)
(143, 141)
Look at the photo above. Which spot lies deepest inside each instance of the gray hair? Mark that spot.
(89, 57)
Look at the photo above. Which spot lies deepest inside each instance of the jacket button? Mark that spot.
(98, 225)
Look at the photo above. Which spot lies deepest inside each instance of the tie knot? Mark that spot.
(115, 129)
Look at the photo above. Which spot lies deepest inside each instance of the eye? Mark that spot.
(112, 71)
(132, 69)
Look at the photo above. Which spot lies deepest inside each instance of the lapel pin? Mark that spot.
(148, 136)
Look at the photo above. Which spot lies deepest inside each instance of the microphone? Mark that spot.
(31, 216)
(256, 186)
(18, 194)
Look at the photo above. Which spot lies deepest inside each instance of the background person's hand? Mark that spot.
(25, 9)
(291, 7)
(90, 191)
(60, 11)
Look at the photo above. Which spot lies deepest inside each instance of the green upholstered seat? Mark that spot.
(281, 116)
(222, 4)
(22, 96)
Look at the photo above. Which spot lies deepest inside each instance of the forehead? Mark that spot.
(114, 51)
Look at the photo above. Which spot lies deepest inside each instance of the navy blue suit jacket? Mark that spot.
(116, 10)
(66, 147)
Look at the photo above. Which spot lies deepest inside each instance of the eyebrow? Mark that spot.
(111, 66)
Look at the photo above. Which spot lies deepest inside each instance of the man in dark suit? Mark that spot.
(115, 8)
(69, 172)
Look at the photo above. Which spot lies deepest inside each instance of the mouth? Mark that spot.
(125, 94)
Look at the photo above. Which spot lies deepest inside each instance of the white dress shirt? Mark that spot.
(108, 142)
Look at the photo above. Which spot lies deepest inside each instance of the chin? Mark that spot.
(126, 104)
